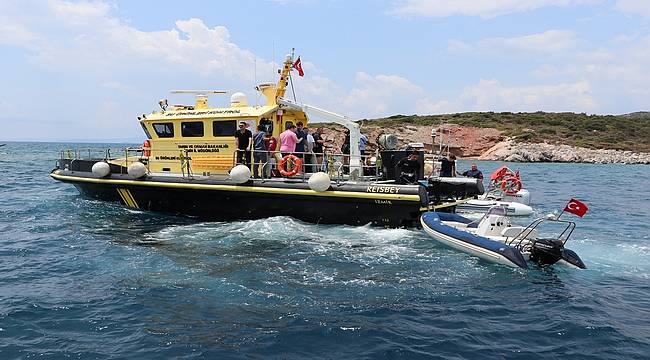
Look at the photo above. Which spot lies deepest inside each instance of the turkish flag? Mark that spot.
(298, 66)
(576, 207)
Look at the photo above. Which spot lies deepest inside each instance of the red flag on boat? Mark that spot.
(576, 207)
(298, 66)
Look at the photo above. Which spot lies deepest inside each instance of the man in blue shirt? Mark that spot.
(260, 154)
(474, 172)
(363, 139)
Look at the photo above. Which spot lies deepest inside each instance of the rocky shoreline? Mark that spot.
(488, 144)
(510, 150)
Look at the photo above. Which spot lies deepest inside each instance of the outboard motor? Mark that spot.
(546, 252)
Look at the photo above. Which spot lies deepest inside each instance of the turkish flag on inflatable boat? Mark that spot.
(298, 66)
(576, 207)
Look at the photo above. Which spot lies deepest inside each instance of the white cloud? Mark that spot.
(84, 35)
(484, 9)
(639, 7)
(491, 95)
(370, 96)
(550, 41)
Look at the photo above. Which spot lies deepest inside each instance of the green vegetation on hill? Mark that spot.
(620, 132)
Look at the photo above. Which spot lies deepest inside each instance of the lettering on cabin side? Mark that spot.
(202, 148)
(383, 202)
(382, 189)
(204, 112)
(169, 158)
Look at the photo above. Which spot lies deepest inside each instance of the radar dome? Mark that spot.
(238, 99)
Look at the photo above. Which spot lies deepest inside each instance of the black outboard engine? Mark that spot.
(546, 252)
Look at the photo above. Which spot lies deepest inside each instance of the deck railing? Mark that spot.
(336, 165)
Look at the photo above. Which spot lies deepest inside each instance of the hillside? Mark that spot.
(629, 132)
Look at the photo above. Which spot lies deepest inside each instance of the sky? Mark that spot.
(84, 70)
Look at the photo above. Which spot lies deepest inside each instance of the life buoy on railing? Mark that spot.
(284, 168)
(511, 185)
(146, 148)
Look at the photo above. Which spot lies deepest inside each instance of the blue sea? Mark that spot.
(84, 279)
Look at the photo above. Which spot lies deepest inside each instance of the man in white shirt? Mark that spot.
(310, 159)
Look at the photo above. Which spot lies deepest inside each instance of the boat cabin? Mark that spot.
(203, 137)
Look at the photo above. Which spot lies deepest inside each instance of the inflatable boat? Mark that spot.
(494, 238)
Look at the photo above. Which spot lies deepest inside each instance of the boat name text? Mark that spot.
(382, 189)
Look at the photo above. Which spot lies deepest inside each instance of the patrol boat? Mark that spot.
(188, 165)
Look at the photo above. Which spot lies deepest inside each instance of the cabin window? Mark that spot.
(268, 125)
(146, 131)
(192, 129)
(164, 130)
(224, 128)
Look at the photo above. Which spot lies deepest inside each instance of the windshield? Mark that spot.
(497, 210)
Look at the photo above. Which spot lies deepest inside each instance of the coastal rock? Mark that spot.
(484, 144)
(543, 152)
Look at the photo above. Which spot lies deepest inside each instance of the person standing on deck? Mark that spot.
(288, 140)
(363, 140)
(260, 153)
(243, 138)
(448, 166)
(309, 149)
(318, 145)
(302, 139)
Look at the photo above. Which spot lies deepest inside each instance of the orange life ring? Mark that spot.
(146, 148)
(284, 168)
(511, 185)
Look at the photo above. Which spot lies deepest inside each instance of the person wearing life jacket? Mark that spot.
(474, 172)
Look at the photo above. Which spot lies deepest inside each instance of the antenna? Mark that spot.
(293, 90)
(198, 92)
(257, 98)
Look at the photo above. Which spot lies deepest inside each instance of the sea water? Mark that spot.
(86, 279)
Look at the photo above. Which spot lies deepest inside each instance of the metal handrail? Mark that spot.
(532, 226)
(333, 163)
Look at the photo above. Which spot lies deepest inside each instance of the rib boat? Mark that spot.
(506, 190)
(188, 165)
(495, 239)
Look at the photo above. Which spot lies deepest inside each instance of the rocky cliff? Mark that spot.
(484, 143)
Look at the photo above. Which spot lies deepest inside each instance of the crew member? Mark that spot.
(448, 166)
(243, 140)
(474, 172)
(408, 169)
